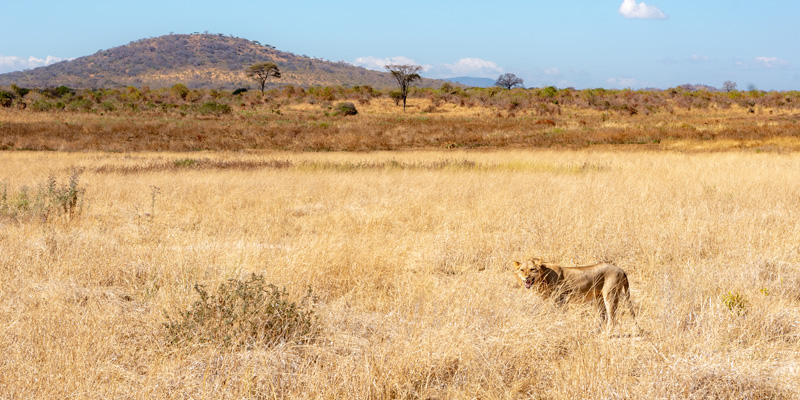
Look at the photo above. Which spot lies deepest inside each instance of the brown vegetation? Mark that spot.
(293, 118)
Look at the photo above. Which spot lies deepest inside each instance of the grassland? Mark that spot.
(407, 253)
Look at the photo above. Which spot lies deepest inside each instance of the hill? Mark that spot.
(472, 81)
(199, 61)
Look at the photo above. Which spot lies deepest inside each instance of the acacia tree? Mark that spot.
(508, 81)
(729, 86)
(405, 75)
(261, 72)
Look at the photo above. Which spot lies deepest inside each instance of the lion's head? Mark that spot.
(530, 272)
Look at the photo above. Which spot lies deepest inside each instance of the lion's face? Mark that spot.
(529, 272)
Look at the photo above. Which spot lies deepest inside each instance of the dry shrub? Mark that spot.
(244, 314)
(51, 200)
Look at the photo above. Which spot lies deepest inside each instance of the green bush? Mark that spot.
(185, 163)
(6, 98)
(50, 200)
(79, 105)
(397, 96)
(58, 92)
(214, 108)
(244, 314)
(735, 302)
(180, 90)
(549, 92)
(345, 108)
(41, 105)
(107, 106)
(21, 92)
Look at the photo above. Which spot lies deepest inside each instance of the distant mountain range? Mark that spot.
(471, 81)
(199, 61)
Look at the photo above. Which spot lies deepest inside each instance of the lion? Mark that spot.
(603, 283)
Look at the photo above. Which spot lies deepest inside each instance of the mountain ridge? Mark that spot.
(199, 60)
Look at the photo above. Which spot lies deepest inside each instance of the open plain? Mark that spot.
(407, 254)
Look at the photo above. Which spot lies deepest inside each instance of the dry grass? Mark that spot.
(407, 253)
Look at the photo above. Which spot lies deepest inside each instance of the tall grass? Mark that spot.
(415, 298)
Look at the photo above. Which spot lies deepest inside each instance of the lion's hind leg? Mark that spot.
(610, 299)
(626, 294)
(602, 315)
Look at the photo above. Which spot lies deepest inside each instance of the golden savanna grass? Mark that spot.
(407, 253)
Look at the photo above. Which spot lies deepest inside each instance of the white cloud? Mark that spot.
(551, 71)
(469, 66)
(696, 57)
(770, 62)
(622, 82)
(14, 63)
(379, 64)
(632, 9)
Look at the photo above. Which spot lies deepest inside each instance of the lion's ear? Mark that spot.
(516, 263)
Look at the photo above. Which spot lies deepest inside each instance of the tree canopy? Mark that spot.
(261, 72)
(508, 81)
(405, 74)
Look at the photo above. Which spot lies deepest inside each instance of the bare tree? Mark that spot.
(405, 75)
(729, 86)
(261, 72)
(508, 81)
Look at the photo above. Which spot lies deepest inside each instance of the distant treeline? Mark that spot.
(541, 101)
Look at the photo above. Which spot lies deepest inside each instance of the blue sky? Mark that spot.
(580, 43)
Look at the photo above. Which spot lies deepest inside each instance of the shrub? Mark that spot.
(51, 199)
(107, 106)
(185, 163)
(58, 92)
(239, 91)
(80, 105)
(549, 92)
(41, 105)
(21, 92)
(214, 108)
(345, 108)
(244, 314)
(397, 96)
(6, 98)
(179, 90)
(735, 302)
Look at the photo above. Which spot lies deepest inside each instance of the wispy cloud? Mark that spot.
(632, 9)
(14, 63)
(379, 64)
(469, 66)
(551, 71)
(622, 82)
(770, 62)
(694, 59)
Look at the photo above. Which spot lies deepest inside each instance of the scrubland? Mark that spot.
(407, 255)
(294, 119)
